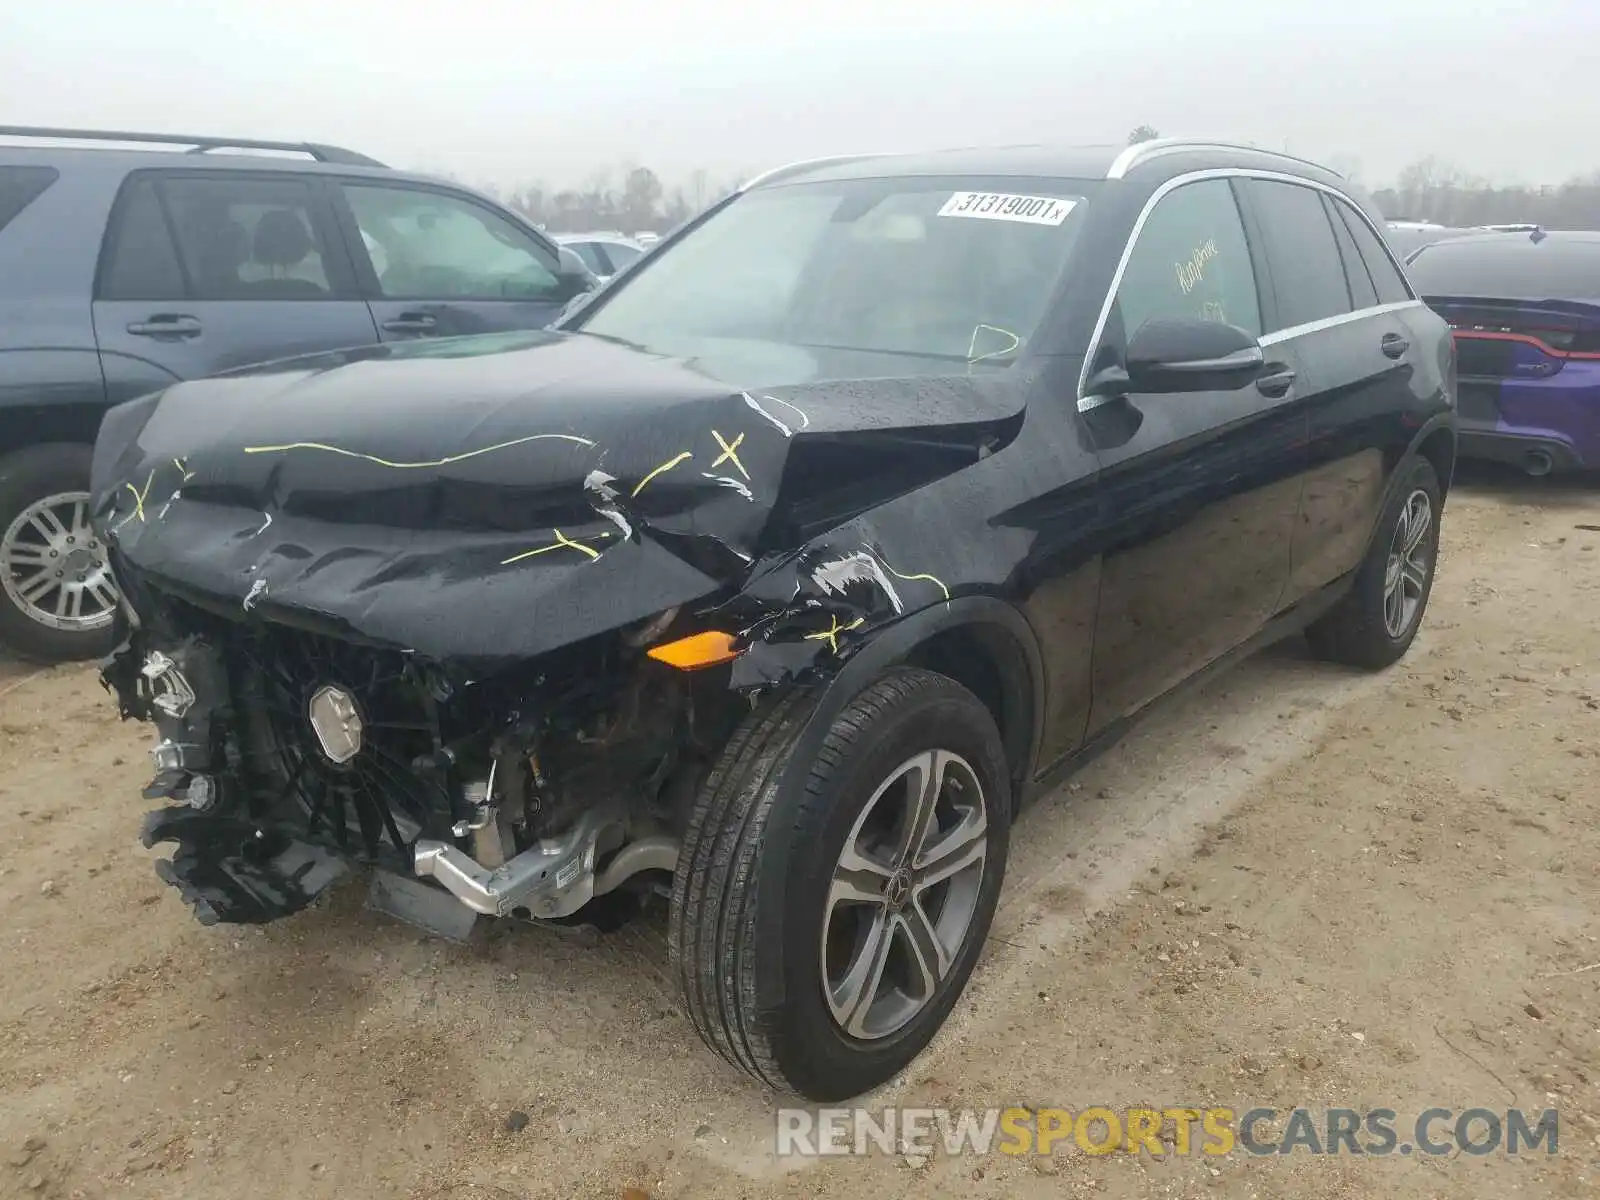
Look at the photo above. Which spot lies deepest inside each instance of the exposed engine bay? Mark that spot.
(286, 756)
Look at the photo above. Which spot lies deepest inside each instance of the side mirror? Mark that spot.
(1184, 355)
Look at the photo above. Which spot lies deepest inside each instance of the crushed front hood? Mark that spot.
(497, 498)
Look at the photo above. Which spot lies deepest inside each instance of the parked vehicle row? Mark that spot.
(1525, 307)
(780, 574)
(603, 253)
(124, 270)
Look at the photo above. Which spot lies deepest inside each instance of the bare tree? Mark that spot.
(641, 200)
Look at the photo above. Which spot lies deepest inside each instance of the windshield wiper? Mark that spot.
(616, 341)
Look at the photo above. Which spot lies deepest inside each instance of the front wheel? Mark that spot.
(1377, 620)
(890, 858)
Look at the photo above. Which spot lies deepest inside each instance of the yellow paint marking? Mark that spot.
(411, 466)
(562, 540)
(183, 466)
(729, 454)
(666, 466)
(138, 501)
(831, 635)
(933, 579)
(972, 346)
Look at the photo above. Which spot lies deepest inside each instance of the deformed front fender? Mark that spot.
(986, 616)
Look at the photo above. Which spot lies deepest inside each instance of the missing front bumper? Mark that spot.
(233, 872)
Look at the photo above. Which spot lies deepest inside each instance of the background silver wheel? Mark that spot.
(903, 894)
(53, 565)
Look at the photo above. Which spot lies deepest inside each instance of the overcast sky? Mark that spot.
(511, 91)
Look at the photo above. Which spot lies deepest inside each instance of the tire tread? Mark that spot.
(713, 937)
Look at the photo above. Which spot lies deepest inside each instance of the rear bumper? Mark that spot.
(1519, 449)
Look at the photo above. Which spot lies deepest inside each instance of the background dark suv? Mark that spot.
(123, 270)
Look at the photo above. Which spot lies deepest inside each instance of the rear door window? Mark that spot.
(216, 237)
(1386, 278)
(590, 253)
(248, 238)
(1191, 260)
(620, 254)
(140, 261)
(1307, 272)
(20, 187)
(1362, 292)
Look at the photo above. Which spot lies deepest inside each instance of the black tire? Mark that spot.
(26, 477)
(751, 889)
(1355, 632)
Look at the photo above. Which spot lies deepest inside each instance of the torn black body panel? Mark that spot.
(484, 501)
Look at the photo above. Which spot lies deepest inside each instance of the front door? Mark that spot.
(1199, 490)
(439, 263)
(203, 271)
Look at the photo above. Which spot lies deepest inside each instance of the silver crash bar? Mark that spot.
(554, 878)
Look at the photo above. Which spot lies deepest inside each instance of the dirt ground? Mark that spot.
(1298, 886)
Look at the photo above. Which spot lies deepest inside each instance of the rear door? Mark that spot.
(1199, 489)
(1358, 358)
(439, 263)
(204, 271)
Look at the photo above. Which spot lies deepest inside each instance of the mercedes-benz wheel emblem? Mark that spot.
(336, 722)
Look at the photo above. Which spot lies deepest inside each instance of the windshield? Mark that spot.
(854, 279)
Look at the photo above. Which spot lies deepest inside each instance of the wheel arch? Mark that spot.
(1435, 441)
(1438, 446)
(981, 642)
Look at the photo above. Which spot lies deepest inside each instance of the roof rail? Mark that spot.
(1154, 147)
(802, 164)
(197, 145)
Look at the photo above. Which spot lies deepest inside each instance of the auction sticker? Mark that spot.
(1003, 206)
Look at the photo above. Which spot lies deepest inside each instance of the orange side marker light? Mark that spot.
(697, 651)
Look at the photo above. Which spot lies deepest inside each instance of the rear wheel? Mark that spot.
(1376, 622)
(822, 940)
(57, 596)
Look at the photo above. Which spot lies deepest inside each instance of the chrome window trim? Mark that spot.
(1333, 322)
(1177, 181)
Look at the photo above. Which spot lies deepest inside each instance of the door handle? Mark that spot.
(1277, 383)
(166, 325)
(1395, 346)
(411, 323)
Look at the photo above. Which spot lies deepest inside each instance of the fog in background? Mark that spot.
(503, 93)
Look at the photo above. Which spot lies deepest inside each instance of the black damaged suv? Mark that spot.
(129, 261)
(781, 574)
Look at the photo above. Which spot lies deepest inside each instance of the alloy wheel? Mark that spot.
(1405, 576)
(903, 894)
(53, 565)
